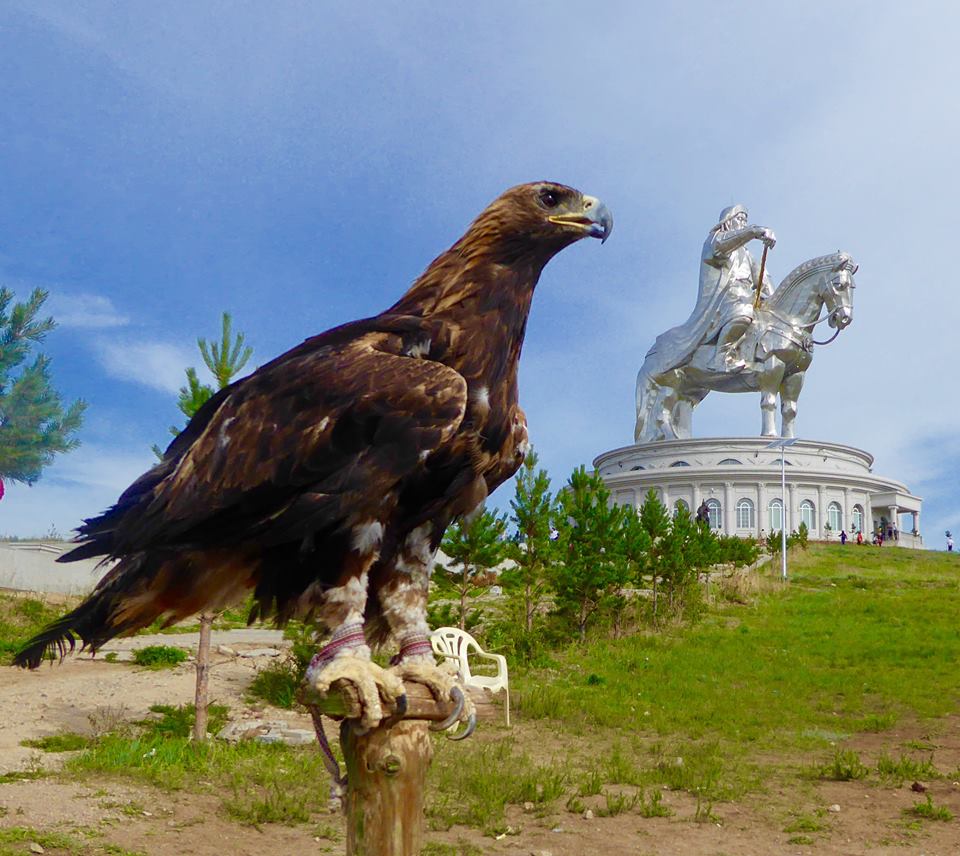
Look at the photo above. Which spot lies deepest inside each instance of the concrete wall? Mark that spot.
(32, 566)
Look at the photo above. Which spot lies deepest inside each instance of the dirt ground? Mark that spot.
(870, 818)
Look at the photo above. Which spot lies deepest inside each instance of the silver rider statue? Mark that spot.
(728, 345)
(728, 286)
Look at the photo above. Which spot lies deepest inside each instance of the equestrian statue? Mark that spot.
(743, 335)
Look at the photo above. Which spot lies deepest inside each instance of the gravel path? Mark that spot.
(244, 636)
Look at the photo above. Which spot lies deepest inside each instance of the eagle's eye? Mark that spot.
(549, 199)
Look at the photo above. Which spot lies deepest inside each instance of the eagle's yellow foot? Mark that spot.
(445, 687)
(371, 681)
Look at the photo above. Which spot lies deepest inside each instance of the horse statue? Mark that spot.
(778, 349)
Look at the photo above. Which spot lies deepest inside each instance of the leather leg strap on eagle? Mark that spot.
(323, 482)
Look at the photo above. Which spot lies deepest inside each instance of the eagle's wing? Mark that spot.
(314, 440)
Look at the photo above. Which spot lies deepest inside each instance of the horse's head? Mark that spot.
(837, 292)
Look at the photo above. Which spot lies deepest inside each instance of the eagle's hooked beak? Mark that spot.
(594, 218)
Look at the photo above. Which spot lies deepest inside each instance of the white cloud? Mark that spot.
(93, 466)
(85, 311)
(159, 365)
(80, 484)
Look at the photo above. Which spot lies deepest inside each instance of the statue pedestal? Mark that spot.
(830, 486)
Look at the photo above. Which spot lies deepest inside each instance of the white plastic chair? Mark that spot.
(458, 646)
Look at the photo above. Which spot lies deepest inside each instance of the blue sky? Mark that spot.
(300, 163)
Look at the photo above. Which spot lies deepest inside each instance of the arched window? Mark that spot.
(679, 464)
(728, 461)
(745, 516)
(713, 510)
(775, 510)
(808, 514)
(680, 503)
(857, 521)
(635, 468)
(835, 516)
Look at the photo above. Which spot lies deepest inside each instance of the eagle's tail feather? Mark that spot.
(138, 590)
(99, 546)
(90, 622)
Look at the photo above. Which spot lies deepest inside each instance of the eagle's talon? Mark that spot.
(456, 696)
(370, 680)
(444, 687)
(471, 727)
(400, 710)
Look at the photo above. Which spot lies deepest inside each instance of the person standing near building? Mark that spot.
(949, 543)
(843, 537)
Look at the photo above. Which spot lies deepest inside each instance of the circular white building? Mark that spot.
(829, 486)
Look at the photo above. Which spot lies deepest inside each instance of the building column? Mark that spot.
(916, 521)
(822, 518)
(894, 518)
(697, 498)
(868, 527)
(729, 521)
(791, 518)
(847, 511)
(762, 509)
(665, 496)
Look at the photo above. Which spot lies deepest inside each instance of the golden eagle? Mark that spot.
(324, 481)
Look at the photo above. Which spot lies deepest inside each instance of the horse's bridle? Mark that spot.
(829, 316)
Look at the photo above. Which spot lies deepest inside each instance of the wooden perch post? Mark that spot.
(387, 766)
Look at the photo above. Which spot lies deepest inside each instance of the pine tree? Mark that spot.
(679, 556)
(635, 547)
(533, 550)
(224, 360)
(591, 566)
(475, 548)
(34, 427)
(656, 523)
(227, 359)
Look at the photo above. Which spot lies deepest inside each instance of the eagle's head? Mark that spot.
(538, 219)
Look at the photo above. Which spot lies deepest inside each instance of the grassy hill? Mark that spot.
(861, 641)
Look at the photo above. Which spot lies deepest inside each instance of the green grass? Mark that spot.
(928, 811)
(21, 618)
(257, 783)
(159, 656)
(178, 721)
(806, 823)
(472, 785)
(904, 768)
(846, 766)
(461, 848)
(20, 776)
(65, 742)
(858, 640)
(618, 803)
(278, 683)
(654, 807)
(16, 840)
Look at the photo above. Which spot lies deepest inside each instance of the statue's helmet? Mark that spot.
(730, 212)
